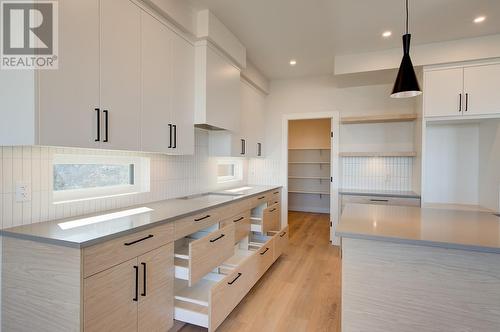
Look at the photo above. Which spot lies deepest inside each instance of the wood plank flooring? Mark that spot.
(300, 292)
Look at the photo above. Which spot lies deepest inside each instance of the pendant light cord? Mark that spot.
(406, 16)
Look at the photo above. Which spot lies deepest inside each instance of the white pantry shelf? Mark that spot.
(308, 192)
(309, 177)
(309, 162)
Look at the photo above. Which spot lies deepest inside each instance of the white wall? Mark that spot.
(346, 95)
(489, 164)
(452, 164)
(171, 176)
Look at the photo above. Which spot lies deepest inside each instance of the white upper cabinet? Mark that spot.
(69, 95)
(249, 140)
(126, 81)
(443, 92)
(481, 87)
(120, 74)
(156, 123)
(217, 89)
(183, 95)
(469, 90)
(252, 119)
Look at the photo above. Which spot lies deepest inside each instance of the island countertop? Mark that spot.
(447, 228)
(84, 231)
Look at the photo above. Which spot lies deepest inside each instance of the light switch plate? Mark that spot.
(23, 192)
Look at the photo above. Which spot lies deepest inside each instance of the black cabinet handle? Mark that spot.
(234, 280)
(106, 118)
(276, 192)
(264, 252)
(240, 218)
(170, 134)
(262, 197)
(136, 241)
(218, 238)
(272, 210)
(175, 136)
(282, 234)
(203, 218)
(242, 146)
(379, 200)
(98, 124)
(136, 268)
(259, 149)
(144, 280)
(466, 102)
(460, 103)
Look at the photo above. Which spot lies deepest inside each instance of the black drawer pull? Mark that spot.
(276, 192)
(136, 241)
(218, 238)
(203, 218)
(262, 197)
(272, 210)
(282, 234)
(264, 252)
(234, 280)
(240, 218)
(379, 200)
(144, 281)
(136, 268)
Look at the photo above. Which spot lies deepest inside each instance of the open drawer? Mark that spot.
(208, 302)
(241, 224)
(264, 219)
(280, 241)
(197, 254)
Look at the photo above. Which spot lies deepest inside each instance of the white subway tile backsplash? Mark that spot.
(171, 176)
(380, 173)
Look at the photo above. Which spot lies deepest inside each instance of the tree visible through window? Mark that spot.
(84, 176)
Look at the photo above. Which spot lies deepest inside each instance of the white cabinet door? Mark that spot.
(69, 95)
(222, 92)
(443, 91)
(183, 95)
(120, 74)
(481, 85)
(156, 86)
(252, 119)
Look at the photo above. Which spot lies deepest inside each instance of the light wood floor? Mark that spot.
(300, 292)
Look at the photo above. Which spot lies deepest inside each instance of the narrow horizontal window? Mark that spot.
(82, 177)
(229, 170)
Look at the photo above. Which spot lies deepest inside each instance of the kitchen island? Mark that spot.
(419, 269)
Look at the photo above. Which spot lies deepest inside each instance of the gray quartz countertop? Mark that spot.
(379, 193)
(448, 228)
(91, 229)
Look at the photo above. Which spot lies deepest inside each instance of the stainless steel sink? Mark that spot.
(208, 194)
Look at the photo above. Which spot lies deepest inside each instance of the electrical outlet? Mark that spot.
(23, 192)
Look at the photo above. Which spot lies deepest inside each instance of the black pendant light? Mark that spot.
(406, 84)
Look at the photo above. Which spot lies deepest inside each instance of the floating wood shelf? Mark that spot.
(326, 148)
(308, 192)
(309, 177)
(379, 154)
(379, 118)
(310, 162)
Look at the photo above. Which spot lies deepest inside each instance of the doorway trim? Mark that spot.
(334, 167)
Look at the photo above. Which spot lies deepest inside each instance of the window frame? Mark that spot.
(238, 170)
(141, 178)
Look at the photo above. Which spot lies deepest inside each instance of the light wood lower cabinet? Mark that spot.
(109, 299)
(136, 295)
(196, 269)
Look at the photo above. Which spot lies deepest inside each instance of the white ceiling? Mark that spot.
(314, 31)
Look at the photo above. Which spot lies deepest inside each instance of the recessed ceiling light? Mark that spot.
(387, 34)
(479, 19)
(293, 62)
